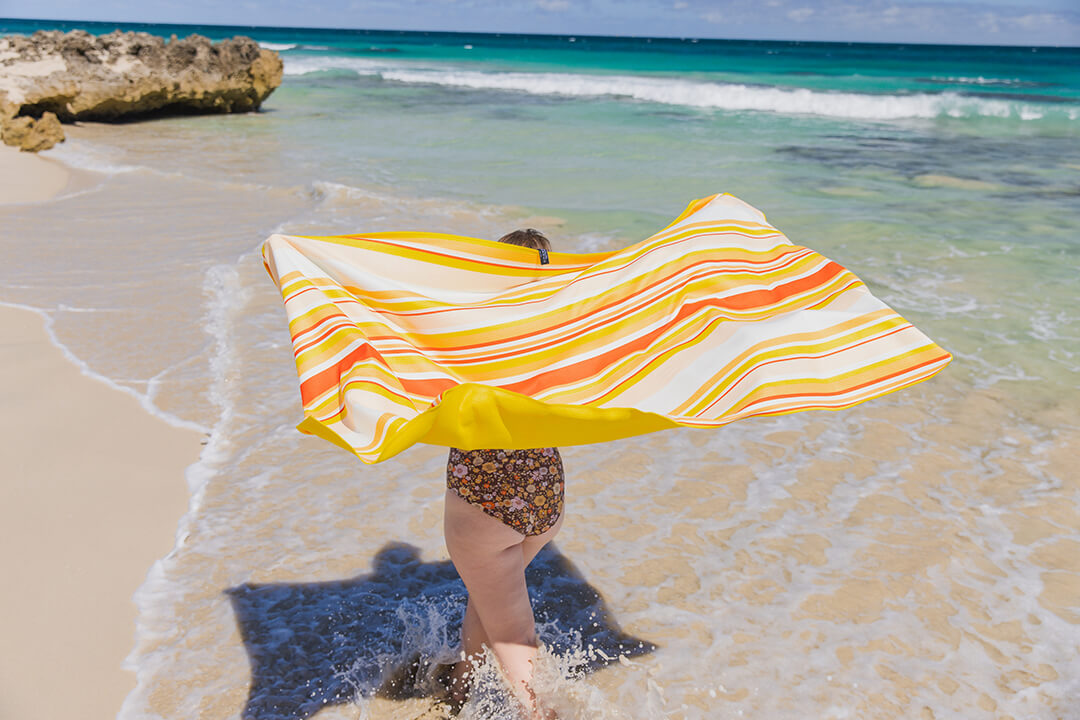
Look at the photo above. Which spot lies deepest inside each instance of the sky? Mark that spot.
(990, 22)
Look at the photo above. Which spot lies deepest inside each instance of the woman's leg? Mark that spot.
(491, 559)
(473, 640)
(532, 544)
(473, 637)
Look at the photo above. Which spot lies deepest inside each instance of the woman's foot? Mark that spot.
(447, 690)
(453, 688)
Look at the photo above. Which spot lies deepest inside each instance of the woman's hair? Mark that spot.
(528, 237)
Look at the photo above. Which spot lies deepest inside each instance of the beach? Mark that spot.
(177, 549)
(93, 491)
(29, 178)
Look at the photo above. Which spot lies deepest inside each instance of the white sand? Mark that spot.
(92, 491)
(26, 177)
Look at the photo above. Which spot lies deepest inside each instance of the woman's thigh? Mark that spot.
(532, 544)
(489, 557)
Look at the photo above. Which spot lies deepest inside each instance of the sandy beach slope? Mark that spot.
(92, 490)
(26, 177)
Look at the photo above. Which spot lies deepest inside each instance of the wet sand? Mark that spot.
(93, 490)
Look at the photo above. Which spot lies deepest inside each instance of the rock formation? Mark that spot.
(33, 134)
(51, 76)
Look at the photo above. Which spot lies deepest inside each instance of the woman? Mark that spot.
(738, 322)
(502, 506)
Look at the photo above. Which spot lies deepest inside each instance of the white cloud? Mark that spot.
(966, 21)
(1036, 21)
(800, 14)
(553, 5)
(989, 22)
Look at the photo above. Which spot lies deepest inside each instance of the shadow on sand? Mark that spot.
(316, 644)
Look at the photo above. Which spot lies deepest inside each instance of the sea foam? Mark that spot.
(694, 94)
(278, 47)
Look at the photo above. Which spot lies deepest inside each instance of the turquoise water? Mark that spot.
(948, 178)
(1045, 74)
(957, 168)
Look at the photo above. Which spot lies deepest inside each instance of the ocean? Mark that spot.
(916, 556)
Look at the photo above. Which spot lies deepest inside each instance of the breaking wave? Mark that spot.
(700, 94)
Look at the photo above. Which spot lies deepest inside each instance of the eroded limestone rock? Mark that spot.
(33, 134)
(79, 76)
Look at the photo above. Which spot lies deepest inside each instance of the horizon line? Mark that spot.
(554, 35)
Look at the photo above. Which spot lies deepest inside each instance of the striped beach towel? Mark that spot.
(406, 337)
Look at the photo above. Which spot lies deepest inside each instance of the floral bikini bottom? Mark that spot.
(522, 488)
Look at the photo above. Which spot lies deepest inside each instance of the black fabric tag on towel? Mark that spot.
(543, 256)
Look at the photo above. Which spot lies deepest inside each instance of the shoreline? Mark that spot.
(95, 493)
